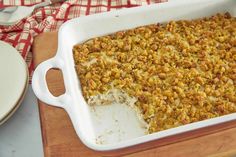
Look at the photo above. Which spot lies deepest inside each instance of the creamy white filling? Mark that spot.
(117, 96)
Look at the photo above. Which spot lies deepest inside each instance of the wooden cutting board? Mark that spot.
(60, 139)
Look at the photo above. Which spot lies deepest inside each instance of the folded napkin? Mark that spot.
(50, 18)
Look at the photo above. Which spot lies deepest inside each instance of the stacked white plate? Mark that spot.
(13, 80)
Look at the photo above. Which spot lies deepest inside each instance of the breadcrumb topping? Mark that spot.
(180, 72)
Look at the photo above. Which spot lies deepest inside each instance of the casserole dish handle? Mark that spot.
(39, 83)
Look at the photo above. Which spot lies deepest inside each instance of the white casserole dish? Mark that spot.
(81, 29)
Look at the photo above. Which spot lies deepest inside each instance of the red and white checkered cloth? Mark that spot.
(50, 18)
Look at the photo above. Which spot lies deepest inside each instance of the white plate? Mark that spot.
(16, 106)
(13, 78)
(115, 129)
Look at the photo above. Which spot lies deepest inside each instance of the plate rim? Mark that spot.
(13, 107)
(17, 104)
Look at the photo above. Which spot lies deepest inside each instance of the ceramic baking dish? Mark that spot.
(116, 126)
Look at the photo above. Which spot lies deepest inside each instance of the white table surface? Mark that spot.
(20, 136)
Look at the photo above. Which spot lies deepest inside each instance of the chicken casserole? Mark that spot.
(175, 73)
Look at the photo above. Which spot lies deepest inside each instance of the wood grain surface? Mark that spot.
(60, 139)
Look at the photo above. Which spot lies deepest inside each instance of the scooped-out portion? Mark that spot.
(115, 117)
(172, 74)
